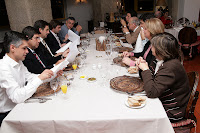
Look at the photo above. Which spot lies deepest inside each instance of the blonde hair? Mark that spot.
(154, 26)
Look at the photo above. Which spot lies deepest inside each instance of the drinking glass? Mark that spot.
(54, 85)
(74, 66)
(64, 88)
(108, 50)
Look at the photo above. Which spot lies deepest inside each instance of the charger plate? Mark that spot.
(127, 84)
(45, 90)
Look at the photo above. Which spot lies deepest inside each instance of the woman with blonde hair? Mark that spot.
(151, 27)
(169, 82)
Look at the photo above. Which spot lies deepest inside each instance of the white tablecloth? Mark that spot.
(174, 31)
(90, 107)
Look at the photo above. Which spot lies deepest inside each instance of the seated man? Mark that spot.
(52, 39)
(69, 25)
(43, 50)
(129, 14)
(133, 25)
(32, 61)
(16, 83)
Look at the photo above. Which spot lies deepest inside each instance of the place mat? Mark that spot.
(122, 49)
(127, 84)
(45, 90)
(118, 60)
(119, 34)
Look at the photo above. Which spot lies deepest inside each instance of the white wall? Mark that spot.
(82, 12)
(191, 9)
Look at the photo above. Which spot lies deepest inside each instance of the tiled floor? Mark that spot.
(194, 65)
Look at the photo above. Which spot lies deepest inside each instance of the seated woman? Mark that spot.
(169, 82)
(166, 19)
(151, 27)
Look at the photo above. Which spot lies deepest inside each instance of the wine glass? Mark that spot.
(54, 85)
(108, 50)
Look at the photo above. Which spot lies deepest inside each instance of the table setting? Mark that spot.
(95, 95)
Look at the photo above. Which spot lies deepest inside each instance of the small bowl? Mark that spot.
(91, 79)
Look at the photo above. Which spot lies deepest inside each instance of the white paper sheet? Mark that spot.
(73, 52)
(73, 36)
(62, 49)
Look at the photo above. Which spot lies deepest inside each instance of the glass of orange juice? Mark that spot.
(74, 66)
(64, 86)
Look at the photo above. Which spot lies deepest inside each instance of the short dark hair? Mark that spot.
(132, 12)
(71, 18)
(13, 37)
(166, 46)
(54, 23)
(146, 16)
(29, 32)
(40, 24)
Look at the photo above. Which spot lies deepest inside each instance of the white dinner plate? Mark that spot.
(135, 107)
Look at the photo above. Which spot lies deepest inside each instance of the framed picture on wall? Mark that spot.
(144, 5)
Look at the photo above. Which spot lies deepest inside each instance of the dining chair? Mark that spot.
(188, 41)
(190, 120)
(183, 21)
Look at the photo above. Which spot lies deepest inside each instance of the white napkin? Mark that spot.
(72, 36)
(101, 39)
(139, 45)
(62, 49)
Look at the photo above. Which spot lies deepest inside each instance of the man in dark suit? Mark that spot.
(32, 61)
(52, 39)
(43, 49)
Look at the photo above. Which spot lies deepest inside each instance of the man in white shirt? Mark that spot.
(16, 83)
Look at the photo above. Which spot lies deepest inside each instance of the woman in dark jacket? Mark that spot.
(168, 80)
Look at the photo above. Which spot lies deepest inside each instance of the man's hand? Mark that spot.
(78, 28)
(46, 74)
(125, 29)
(142, 34)
(123, 22)
(59, 73)
(59, 61)
(66, 37)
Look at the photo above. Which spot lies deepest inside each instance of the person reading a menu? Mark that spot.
(69, 26)
(16, 83)
(166, 79)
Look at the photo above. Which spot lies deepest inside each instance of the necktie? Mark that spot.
(46, 46)
(38, 58)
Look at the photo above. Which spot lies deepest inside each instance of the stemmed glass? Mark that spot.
(54, 85)
(108, 50)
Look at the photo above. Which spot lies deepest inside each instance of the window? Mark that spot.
(57, 7)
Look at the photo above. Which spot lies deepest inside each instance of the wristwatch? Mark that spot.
(127, 33)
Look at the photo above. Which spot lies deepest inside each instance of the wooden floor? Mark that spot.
(194, 65)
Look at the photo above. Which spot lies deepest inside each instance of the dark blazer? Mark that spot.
(52, 43)
(170, 84)
(46, 57)
(32, 64)
(150, 57)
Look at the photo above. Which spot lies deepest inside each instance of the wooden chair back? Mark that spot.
(193, 82)
(187, 35)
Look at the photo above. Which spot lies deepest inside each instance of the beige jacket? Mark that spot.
(132, 37)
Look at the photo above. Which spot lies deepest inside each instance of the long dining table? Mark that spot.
(89, 107)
